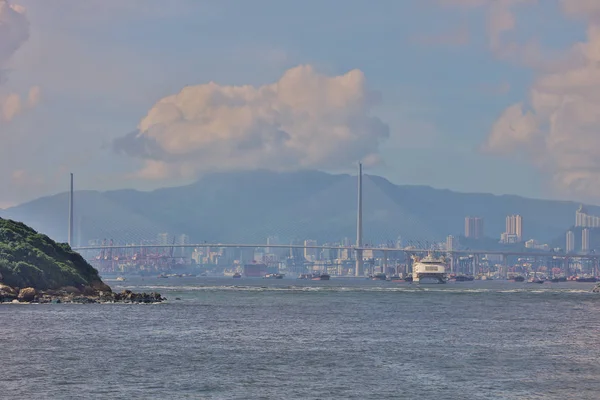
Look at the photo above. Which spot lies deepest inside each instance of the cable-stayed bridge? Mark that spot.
(384, 207)
(358, 253)
(407, 249)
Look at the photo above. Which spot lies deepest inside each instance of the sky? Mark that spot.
(495, 96)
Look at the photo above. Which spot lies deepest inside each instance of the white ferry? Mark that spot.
(429, 268)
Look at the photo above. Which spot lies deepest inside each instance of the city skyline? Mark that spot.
(70, 83)
(473, 230)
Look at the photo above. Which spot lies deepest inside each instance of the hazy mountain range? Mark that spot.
(249, 206)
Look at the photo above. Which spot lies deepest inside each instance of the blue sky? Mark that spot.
(442, 78)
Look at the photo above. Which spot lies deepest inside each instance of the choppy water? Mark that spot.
(289, 339)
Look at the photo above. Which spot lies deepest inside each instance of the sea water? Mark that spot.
(291, 339)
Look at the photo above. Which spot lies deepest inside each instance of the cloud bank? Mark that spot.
(558, 126)
(14, 32)
(500, 22)
(305, 120)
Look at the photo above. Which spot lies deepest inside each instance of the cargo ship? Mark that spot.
(321, 277)
(379, 276)
(586, 279)
(255, 270)
(462, 278)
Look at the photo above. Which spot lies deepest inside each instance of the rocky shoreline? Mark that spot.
(83, 295)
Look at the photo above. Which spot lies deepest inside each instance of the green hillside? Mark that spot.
(30, 259)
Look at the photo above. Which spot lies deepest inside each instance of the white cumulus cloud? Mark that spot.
(14, 31)
(558, 128)
(304, 120)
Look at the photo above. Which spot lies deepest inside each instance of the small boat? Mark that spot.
(322, 277)
(464, 278)
(274, 276)
(162, 276)
(236, 275)
(120, 278)
(558, 279)
(380, 276)
(586, 279)
(518, 278)
(535, 280)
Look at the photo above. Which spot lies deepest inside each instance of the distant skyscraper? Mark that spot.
(474, 227)
(162, 239)
(399, 242)
(450, 243)
(570, 242)
(271, 240)
(182, 239)
(296, 253)
(585, 240)
(310, 254)
(514, 226)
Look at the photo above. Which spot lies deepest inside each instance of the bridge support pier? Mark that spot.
(359, 271)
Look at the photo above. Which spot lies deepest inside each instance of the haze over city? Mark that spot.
(282, 199)
(476, 96)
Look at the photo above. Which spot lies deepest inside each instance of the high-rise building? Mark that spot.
(271, 240)
(570, 242)
(514, 226)
(585, 240)
(296, 253)
(585, 220)
(310, 253)
(450, 243)
(399, 242)
(474, 227)
(162, 239)
(182, 239)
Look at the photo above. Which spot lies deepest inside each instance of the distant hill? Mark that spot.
(249, 206)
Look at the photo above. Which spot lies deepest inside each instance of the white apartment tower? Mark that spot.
(450, 243)
(585, 220)
(514, 226)
(473, 227)
(570, 242)
(585, 240)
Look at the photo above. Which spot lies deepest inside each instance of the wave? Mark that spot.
(342, 289)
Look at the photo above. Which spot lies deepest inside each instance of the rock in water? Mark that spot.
(26, 294)
(7, 294)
